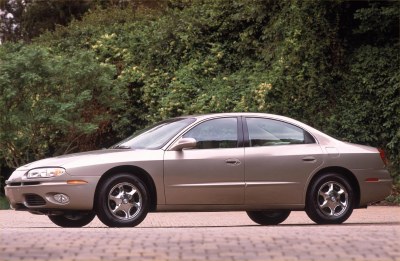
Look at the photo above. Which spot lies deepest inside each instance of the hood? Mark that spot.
(60, 161)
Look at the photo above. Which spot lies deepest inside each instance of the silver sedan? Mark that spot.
(266, 165)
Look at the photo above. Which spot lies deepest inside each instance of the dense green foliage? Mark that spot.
(332, 64)
(4, 203)
(49, 103)
(27, 19)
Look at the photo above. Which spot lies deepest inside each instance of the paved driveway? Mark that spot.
(369, 234)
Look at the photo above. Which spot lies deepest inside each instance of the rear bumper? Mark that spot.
(375, 185)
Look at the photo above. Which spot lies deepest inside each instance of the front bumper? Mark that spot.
(38, 195)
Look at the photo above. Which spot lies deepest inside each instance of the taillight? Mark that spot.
(383, 156)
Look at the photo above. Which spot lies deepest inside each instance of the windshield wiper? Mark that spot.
(121, 147)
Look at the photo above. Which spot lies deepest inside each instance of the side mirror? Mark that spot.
(184, 143)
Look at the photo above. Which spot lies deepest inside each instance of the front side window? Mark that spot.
(155, 136)
(215, 134)
(267, 132)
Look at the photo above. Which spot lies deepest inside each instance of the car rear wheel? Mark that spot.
(268, 217)
(123, 201)
(330, 199)
(73, 220)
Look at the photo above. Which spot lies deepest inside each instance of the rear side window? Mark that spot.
(267, 132)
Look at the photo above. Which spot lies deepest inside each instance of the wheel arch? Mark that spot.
(344, 173)
(136, 171)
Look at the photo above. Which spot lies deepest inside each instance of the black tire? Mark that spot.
(122, 201)
(330, 199)
(268, 217)
(73, 220)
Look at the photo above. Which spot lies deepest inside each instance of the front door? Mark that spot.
(213, 172)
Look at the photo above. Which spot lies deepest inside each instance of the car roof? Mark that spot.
(237, 114)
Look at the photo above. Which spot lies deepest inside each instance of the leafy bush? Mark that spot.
(369, 105)
(331, 64)
(4, 204)
(52, 104)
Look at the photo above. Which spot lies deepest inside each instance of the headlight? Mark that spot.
(45, 173)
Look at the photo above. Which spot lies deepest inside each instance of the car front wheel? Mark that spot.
(330, 199)
(73, 220)
(268, 217)
(123, 201)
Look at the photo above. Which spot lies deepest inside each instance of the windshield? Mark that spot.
(156, 136)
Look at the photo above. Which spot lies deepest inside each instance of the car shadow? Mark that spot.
(233, 226)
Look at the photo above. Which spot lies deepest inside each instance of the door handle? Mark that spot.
(232, 162)
(309, 159)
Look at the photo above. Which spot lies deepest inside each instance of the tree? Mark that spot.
(332, 64)
(27, 19)
(52, 104)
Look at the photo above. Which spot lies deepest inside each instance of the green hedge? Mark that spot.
(331, 64)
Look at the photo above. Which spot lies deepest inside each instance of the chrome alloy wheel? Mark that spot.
(333, 199)
(124, 201)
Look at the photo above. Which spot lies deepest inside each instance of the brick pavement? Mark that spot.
(369, 234)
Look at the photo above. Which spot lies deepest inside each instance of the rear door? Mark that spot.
(279, 159)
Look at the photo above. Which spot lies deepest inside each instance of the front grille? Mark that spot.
(27, 183)
(30, 183)
(34, 200)
(14, 184)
